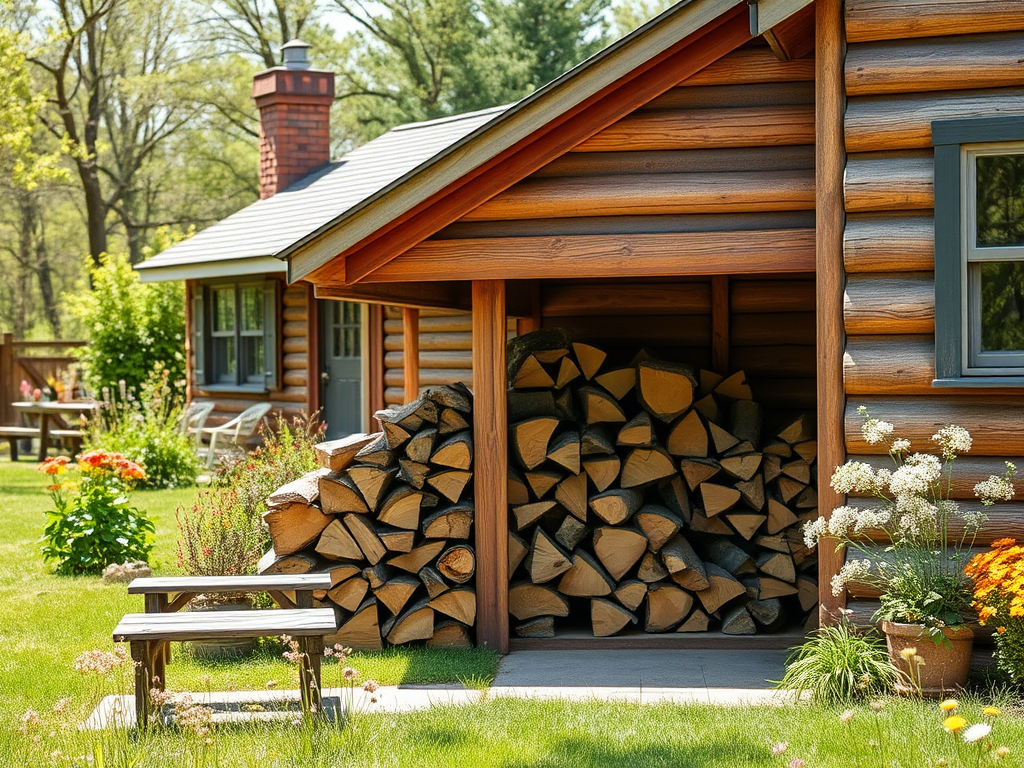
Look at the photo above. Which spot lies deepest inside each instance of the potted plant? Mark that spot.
(925, 595)
(218, 536)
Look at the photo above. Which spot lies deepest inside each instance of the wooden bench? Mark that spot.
(13, 434)
(147, 634)
(158, 590)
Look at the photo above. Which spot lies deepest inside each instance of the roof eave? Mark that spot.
(208, 270)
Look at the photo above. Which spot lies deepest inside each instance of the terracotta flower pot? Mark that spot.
(945, 665)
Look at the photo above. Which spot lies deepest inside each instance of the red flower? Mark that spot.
(54, 466)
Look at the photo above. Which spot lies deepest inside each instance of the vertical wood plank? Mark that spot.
(490, 440)
(411, 352)
(830, 161)
(314, 350)
(190, 286)
(720, 324)
(375, 380)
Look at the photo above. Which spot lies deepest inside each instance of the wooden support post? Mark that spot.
(411, 352)
(490, 438)
(142, 658)
(8, 386)
(830, 160)
(312, 649)
(375, 351)
(720, 324)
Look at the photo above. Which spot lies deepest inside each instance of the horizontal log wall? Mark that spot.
(910, 62)
(291, 398)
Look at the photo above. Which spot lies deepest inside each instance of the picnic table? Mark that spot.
(47, 412)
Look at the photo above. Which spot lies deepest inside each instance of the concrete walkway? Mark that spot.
(691, 676)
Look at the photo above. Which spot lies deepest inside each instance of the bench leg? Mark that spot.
(309, 673)
(158, 603)
(13, 442)
(142, 656)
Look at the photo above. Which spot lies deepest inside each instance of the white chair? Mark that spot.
(236, 431)
(194, 419)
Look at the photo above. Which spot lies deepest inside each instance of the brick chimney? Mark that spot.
(295, 108)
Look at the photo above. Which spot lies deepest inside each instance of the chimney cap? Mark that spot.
(295, 54)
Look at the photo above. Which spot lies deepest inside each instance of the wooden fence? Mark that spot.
(31, 361)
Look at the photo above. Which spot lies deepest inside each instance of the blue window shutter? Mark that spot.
(271, 363)
(198, 333)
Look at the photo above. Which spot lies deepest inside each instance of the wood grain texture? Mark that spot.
(429, 377)
(222, 584)
(490, 433)
(889, 243)
(772, 295)
(793, 37)
(970, 470)
(898, 303)
(877, 123)
(224, 625)
(898, 19)
(670, 330)
(764, 159)
(375, 366)
(461, 359)
(612, 299)
(994, 422)
(613, 256)
(935, 64)
(889, 181)
(410, 353)
(696, 129)
(436, 295)
(752, 65)
(831, 159)
(650, 194)
(738, 95)
(1005, 520)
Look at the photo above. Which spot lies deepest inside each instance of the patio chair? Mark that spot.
(194, 419)
(235, 432)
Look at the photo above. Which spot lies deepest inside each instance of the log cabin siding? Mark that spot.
(940, 59)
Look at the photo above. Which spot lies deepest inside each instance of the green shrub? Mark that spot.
(92, 523)
(132, 327)
(838, 664)
(146, 429)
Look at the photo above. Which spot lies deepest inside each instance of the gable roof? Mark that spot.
(247, 241)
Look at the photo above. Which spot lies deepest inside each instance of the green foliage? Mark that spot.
(147, 430)
(838, 665)
(132, 327)
(925, 592)
(92, 523)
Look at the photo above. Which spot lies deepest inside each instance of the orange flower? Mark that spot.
(54, 466)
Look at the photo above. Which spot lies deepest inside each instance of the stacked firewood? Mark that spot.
(646, 495)
(390, 517)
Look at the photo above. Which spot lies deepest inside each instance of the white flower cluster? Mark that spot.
(953, 440)
(814, 530)
(994, 489)
(916, 516)
(900, 445)
(876, 431)
(917, 475)
(858, 477)
(854, 570)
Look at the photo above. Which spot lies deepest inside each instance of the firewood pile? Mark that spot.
(646, 494)
(390, 517)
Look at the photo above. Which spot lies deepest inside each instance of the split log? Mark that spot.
(586, 578)
(718, 498)
(679, 558)
(528, 514)
(379, 453)
(449, 634)
(458, 603)
(531, 374)
(618, 549)
(349, 594)
(541, 481)
(546, 559)
(337, 455)
(450, 484)
(421, 446)
(767, 613)
(395, 592)
(752, 492)
(342, 571)
(703, 524)
(305, 490)
(417, 623)
(590, 359)
(401, 509)
(540, 627)
(720, 438)
(777, 565)
(451, 421)
(571, 532)
(745, 524)
(602, 471)
(658, 525)
(673, 492)
(697, 471)
(645, 465)
(369, 543)
(742, 467)
(651, 570)
(637, 432)
(807, 592)
(607, 618)
(618, 383)
(599, 407)
(294, 526)
(595, 442)
(697, 622)
(518, 493)
(745, 419)
(530, 440)
(336, 543)
(724, 587)
(768, 587)
(414, 561)
(729, 557)
(454, 522)
(361, 631)
(616, 506)
(689, 437)
(738, 622)
(571, 493)
(565, 451)
(413, 473)
(457, 563)
(735, 387)
(372, 482)
(396, 540)
(455, 453)
(631, 593)
(665, 390)
(517, 549)
(339, 495)
(433, 581)
(667, 606)
(527, 601)
(568, 372)
(299, 562)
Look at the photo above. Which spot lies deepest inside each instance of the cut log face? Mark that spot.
(617, 506)
(546, 559)
(433, 581)
(599, 407)
(698, 622)
(336, 543)
(421, 446)
(337, 455)
(746, 524)
(779, 516)
(455, 453)
(651, 569)
(752, 493)
(540, 627)
(590, 359)
(401, 509)
(454, 522)
(369, 543)
(459, 603)
(415, 624)
(449, 634)
(667, 606)
(646, 465)
(777, 565)
(532, 375)
(571, 532)
(300, 562)
(518, 493)
(527, 601)
(696, 471)
(721, 439)
(451, 484)
(637, 432)
(294, 526)
(413, 473)
(618, 383)
(342, 571)
(718, 498)
(565, 451)
(530, 439)
(395, 592)
(451, 421)
(618, 549)
(631, 593)
(689, 437)
(607, 618)
(414, 561)
(378, 452)
(724, 587)
(361, 631)
(735, 387)
(457, 563)
(571, 493)
(517, 549)
(339, 495)
(742, 467)
(665, 390)
(586, 578)
(738, 622)
(678, 556)
(657, 524)
(595, 442)
(800, 430)
(349, 594)
(541, 481)
(715, 525)
(528, 514)
(372, 482)
(602, 471)
(568, 372)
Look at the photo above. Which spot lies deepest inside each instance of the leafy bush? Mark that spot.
(838, 664)
(132, 327)
(223, 533)
(999, 597)
(146, 430)
(92, 523)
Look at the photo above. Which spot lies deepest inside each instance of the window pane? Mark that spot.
(224, 358)
(252, 308)
(223, 309)
(252, 358)
(1002, 306)
(1000, 200)
(351, 313)
(352, 335)
(336, 343)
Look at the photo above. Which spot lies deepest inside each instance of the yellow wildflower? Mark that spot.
(908, 653)
(949, 705)
(954, 723)
(991, 711)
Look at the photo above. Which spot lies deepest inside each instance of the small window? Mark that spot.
(979, 252)
(236, 334)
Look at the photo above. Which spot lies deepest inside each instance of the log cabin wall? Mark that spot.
(908, 63)
(292, 396)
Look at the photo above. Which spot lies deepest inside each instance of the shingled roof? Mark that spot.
(246, 242)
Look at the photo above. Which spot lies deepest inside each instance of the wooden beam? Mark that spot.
(830, 162)
(793, 37)
(719, 34)
(901, 19)
(720, 324)
(490, 432)
(314, 350)
(617, 256)
(437, 295)
(765, 14)
(375, 378)
(411, 353)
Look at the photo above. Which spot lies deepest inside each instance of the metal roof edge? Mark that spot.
(210, 269)
(518, 121)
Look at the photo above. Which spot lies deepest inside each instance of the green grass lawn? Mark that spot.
(45, 621)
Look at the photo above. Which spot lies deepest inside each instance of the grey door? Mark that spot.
(342, 396)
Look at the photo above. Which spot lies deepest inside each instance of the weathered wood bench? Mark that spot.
(12, 434)
(148, 633)
(290, 591)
